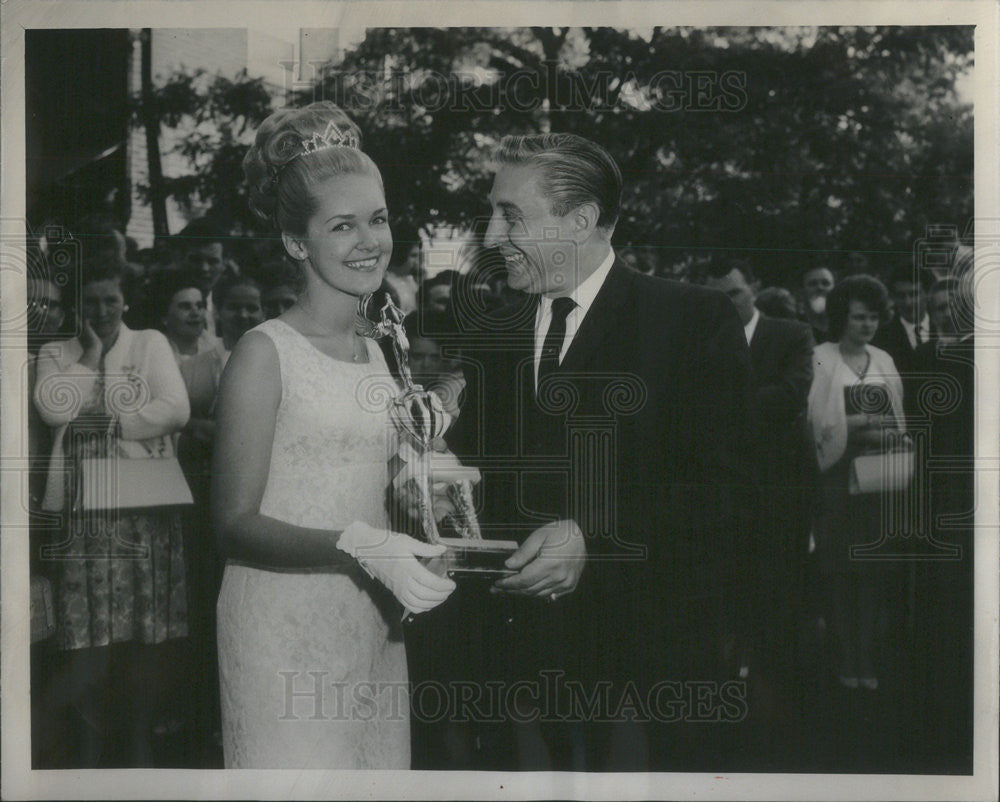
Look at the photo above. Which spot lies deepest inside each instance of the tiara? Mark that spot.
(334, 136)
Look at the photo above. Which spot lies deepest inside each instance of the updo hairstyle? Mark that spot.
(283, 176)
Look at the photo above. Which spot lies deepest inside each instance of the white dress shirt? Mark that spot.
(751, 327)
(584, 296)
(911, 329)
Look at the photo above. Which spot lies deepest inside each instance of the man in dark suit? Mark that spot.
(943, 411)
(922, 366)
(784, 471)
(605, 413)
(910, 324)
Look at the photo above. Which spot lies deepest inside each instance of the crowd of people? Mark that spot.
(172, 623)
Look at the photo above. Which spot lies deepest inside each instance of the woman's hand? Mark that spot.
(93, 348)
(870, 429)
(877, 430)
(391, 558)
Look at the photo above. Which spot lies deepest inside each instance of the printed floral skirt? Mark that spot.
(121, 578)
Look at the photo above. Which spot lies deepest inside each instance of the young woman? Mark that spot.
(856, 398)
(300, 472)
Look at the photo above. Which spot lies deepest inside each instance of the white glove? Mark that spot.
(391, 558)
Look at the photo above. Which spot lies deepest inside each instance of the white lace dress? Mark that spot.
(312, 665)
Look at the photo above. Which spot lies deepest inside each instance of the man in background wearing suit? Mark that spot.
(784, 472)
(605, 413)
(943, 592)
(910, 324)
(908, 336)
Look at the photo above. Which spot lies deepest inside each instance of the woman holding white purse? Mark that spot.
(311, 659)
(855, 408)
(113, 394)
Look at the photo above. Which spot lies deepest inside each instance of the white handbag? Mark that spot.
(880, 473)
(132, 483)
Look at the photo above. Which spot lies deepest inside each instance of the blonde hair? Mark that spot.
(283, 176)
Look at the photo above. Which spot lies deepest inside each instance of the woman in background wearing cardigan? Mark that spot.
(855, 400)
(121, 589)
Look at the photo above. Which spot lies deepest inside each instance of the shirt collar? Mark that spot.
(751, 327)
(586, 291)
(922, 327)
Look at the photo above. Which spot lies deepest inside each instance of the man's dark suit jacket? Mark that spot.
(784, 472)
(781, 352)
(943, 593)
(637, 436)
(782, 454)
(892, 339)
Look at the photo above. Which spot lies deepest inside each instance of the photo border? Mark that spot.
(18, 781)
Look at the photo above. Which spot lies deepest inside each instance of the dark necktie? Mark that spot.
(554, 337)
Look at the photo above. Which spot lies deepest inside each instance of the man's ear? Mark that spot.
(294, 246)
(584, 221)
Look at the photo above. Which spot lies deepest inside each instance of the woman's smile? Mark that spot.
(366, 265)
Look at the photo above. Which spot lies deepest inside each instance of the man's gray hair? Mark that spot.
(575, 171)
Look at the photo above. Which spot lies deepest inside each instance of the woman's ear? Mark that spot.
(294, 246)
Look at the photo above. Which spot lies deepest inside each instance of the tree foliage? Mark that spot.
(210, 120)
(788, 145)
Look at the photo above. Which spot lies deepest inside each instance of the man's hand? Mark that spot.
(549, 562)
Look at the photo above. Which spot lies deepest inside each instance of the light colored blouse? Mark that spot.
(206, 342)
(827, 413)
(202, 374)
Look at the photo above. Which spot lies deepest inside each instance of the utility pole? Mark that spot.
(157, 198)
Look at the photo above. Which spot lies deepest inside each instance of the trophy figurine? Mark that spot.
(420, 418)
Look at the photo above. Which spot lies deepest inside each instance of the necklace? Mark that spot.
(855, 364)
(355, 343)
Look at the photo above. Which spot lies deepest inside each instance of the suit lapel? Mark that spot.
(902, 338)
(760, 341)
(521, 366)
(603, 318)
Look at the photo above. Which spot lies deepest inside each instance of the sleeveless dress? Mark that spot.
(312, 666)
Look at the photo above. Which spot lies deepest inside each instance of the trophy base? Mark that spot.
(482, 559)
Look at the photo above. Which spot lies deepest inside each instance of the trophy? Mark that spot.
(420, 418)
